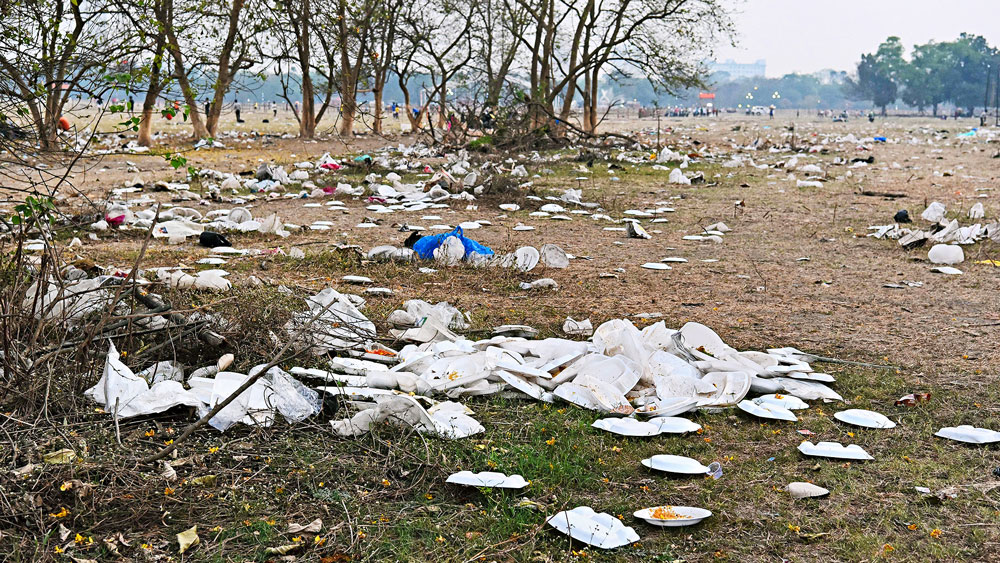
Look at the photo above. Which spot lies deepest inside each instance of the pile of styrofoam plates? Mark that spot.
(865, 419)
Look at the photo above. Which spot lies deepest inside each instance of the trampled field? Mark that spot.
(796, 269)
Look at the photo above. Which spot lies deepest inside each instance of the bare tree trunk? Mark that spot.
(152, 93)
(377, 119)
(348, 77)
(443, 105)
(166, 17)
(307, 122)
(225, 76)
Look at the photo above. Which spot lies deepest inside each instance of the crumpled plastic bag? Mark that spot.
(276, 392)
(133, 395)
(426, 246)
(69, 300)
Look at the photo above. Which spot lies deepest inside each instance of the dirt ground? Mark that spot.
(797, 269)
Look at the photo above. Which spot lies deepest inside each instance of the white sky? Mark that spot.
(809, 35)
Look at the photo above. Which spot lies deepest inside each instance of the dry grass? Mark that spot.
(942, 335)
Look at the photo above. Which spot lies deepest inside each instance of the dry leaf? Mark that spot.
(64, 455)
(204, 481)
(188, 538)
(64, 532)
(282, 549)
(311, 528)
(24, 470)
(168, 472)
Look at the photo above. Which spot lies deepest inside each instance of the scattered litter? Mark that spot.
(913, 399)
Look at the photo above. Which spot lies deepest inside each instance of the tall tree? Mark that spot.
(923, 78)
(52, 50)
(879, 74)
(967, 66)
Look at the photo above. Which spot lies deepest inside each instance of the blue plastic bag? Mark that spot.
(426, 245)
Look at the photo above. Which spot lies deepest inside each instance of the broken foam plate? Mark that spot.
(655, 266)
(627, 427)
(681, 515)
(863, 418)
(969, 434)
(799, 489)
(597, 529)
(490, 479)
(674, 424)
(834, 450)
(789, 402)
(671, 406)
(767, 410)
(675, 464)
(947, 270)
(526, 258)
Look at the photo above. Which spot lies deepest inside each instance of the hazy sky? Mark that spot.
(809, 35)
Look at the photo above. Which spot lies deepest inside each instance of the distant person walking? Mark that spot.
(982, 118)
(274, 108)
(771, 113)
(237, 108)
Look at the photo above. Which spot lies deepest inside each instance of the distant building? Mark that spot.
(737, 70)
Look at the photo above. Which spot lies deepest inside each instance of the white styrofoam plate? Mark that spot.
(675, 464)
(627, 427)
(674, 424)
(863, 418)
(688, 516)
(670, 406)
(767, 410)
(969, 434)
(487, 479)
(790, 402)
(597, 529)
(834, 450)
